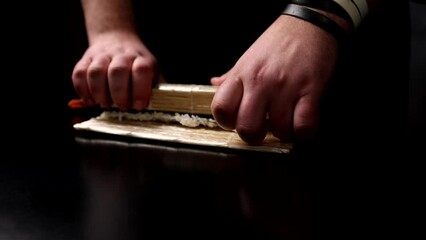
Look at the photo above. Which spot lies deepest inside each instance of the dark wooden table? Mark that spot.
(59, 184)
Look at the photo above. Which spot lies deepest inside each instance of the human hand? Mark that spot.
(277, 84)
(117, 69)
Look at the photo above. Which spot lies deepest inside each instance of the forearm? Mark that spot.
(104, 16)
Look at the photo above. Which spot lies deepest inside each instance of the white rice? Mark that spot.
(184, 119)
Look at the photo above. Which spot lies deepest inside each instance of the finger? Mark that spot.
(281, 118)
(119, 81)
(142, 77)
(251, 122)
(79, 80)
(226, 102)
(97, 81)
(306, 116)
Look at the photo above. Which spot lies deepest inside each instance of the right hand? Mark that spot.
(278, 83)
(116, 70)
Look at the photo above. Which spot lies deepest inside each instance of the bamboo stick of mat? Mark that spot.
(182, 98)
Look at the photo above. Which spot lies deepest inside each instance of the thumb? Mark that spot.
(217, 81)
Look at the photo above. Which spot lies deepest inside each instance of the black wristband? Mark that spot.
(317, 19)
(326, 5)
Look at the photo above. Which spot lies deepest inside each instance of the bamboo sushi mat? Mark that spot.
(185, 99)
(175, 133)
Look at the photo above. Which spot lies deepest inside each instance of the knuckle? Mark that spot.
(95, 72)
(117, 70)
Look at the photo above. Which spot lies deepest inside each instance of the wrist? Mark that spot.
(332, 24)
(342, 22)
(357, 10)
(348, 14)
(112, 35)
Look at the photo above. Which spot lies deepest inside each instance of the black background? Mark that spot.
(38, 186)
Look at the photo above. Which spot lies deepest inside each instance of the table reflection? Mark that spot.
(139, 190)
